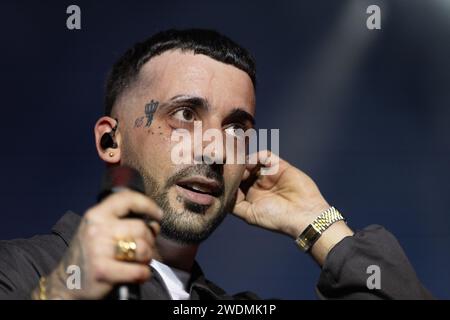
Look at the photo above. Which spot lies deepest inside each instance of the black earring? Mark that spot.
(107, 140)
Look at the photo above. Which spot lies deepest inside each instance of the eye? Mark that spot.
(236, 130)
(185, 115)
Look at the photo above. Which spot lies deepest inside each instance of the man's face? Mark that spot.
(173, 90)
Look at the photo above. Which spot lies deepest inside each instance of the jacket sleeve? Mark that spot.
(18, 277)
(354, 264)
(24, 261)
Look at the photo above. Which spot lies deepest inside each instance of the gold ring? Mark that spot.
(126, 250)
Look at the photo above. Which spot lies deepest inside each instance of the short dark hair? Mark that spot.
(199, 41)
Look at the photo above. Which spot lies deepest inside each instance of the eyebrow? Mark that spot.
(196, 101)
(239, 115)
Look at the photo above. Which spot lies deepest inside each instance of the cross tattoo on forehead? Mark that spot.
(150, 109)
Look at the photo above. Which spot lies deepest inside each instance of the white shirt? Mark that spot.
(176, 280)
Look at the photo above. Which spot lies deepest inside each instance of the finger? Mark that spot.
(258, 160)
(142, 254)
(122, 203)
(108, 249)
(247, 173)
(105, 246)
(134, 229)
(242, 207)
(268, 164)
(151, 224)
(252, 161)
(265, 158)
(114, 272)
(249, 178)
(155, 228)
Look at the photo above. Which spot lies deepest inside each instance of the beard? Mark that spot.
(193, 223)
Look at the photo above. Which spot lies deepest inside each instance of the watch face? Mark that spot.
(308, 238)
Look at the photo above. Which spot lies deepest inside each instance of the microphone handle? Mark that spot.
(115, 180)
(130, 291)
(127, 291)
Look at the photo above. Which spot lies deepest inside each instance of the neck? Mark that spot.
(173, 254)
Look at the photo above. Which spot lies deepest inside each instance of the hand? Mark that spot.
(287, 202)
(93, 248)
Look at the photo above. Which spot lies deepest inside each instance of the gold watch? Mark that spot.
(313, 232)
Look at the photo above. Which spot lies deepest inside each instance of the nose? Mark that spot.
(209, 143)
(216, 167)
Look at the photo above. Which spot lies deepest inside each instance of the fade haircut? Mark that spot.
(199, 41)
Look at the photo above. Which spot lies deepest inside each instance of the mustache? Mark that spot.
(205, 170)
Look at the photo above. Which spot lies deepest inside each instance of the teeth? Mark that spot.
(193, 186)
(198, 188)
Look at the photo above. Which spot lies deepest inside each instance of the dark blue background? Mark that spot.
(365, 113)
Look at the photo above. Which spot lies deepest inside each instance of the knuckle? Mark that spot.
(90, 214)
(99, 271)
(92, 231)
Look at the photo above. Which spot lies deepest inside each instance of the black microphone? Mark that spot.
(115, 180)
(119, 178)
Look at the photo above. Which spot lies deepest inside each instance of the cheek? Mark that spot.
(233, 175)
(154, 146)
(157, 136)
(158, 133)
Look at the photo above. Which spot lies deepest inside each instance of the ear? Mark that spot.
(103, 126)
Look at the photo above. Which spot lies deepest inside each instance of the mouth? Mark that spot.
(199, 190)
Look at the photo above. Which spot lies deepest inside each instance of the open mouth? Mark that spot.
(199, 189)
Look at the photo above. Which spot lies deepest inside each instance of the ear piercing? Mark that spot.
(111, 154)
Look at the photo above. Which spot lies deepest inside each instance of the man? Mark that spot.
(156, 88)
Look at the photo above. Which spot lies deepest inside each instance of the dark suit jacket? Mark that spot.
(344, 274)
